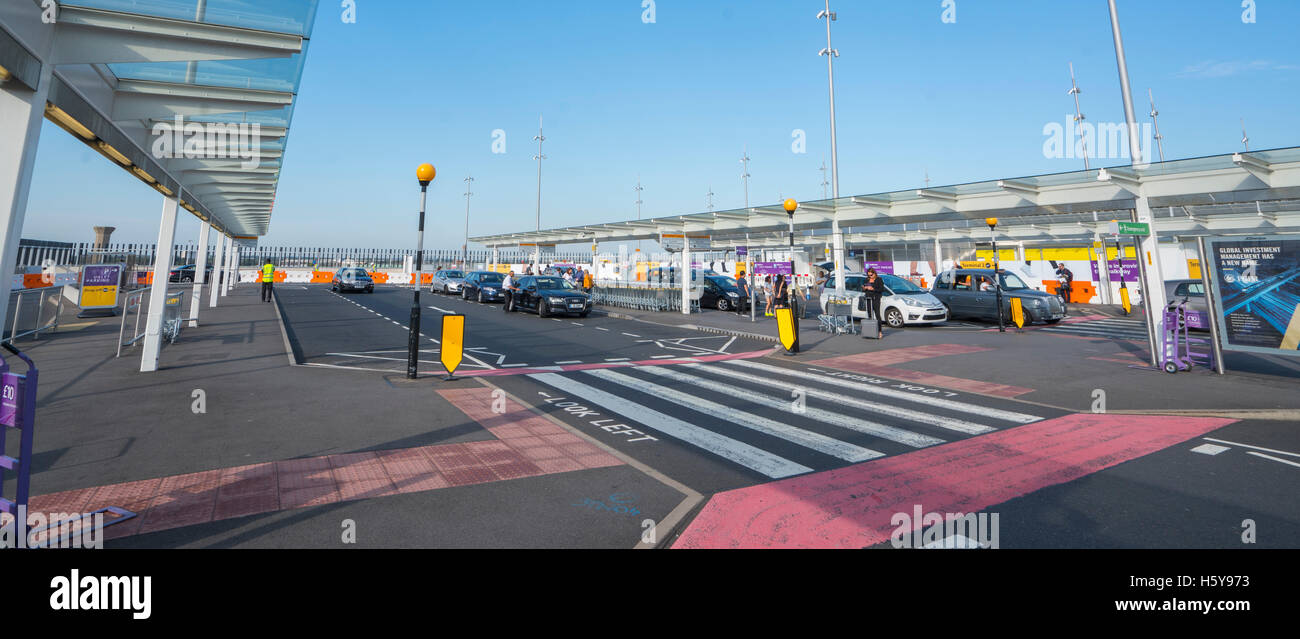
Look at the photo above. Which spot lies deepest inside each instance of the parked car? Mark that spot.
(722, 293)
(1194, 292)
(484, 286)
(352, 279)
(186, 273)
(447, 281)
(549, 295)
(902, 303)
(972, 293)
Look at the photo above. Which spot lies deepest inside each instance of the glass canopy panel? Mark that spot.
(281, 16)
(277, 74)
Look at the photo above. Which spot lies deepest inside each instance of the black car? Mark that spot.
(722, 293)
(549, 295)
(972, 292)
(352, 279)
(484, 286)
(186, 273)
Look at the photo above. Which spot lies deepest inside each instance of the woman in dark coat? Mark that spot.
(873, 289)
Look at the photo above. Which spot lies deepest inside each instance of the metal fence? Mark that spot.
(32, 312)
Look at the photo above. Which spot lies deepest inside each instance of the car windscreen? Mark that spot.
(356, 272)
(552, 284)
(452, 274)
(491, 278)
(724, 282)
(900, 286)
(1012, 282)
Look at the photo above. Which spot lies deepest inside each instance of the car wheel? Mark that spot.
(894, 318)
(480, 296)
(543, 310)
(723, 304)
(584, 313)
(370, 290)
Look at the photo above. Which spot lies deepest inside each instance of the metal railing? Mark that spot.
(39, 324)
(132, 301)
(173, 317)
(644, 297)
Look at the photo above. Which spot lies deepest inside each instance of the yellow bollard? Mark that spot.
(1123, 298)
(453, 342)
(1017, 312)
(787, 330)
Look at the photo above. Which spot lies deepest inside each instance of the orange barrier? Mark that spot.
(34, 280)
(1080, 292)
(322, 277)
(379, 278)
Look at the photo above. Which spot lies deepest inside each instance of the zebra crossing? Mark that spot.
(1111, 328)
(780, 421)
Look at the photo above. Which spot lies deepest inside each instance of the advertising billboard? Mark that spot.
(99, 285)
(1256, 283)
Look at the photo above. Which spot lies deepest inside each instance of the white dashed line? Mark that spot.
(631, 335)
(576, 361)
(601, 329)
(663, 357)
(618, 359)
(513, 365)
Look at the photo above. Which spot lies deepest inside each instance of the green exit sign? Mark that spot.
(1130, 228)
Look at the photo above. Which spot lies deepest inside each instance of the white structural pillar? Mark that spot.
(938, 257)
(200, 273)
(162, 266)
(1103, 269)
(231, 271)
(218, 271)
(686, 274)
(22, 111)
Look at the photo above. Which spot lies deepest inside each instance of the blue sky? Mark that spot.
(676, 101)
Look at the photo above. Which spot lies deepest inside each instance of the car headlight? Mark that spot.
(489, 290)
(1037, 302)
(912, 301)
(555, 300)
(732, 295)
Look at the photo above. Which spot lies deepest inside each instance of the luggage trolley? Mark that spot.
(1177, 350)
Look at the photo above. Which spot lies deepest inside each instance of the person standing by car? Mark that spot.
(743, 286)
(268, 280)
(508, 289)
(1067, 279)
(872, 291)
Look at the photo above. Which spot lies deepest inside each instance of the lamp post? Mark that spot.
(997, 279)
(425, 174)
(464, 249)
(790, 207)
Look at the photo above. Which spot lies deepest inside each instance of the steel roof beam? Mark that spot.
(94, 36)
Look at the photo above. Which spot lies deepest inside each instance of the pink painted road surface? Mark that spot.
(527, 445)
(852, 507)
(873, 363)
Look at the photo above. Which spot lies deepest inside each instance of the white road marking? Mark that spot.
(808, 439)
(631, 335)
(1280, 452)
(1209, 449)
(513, 365)
(905, 437)
(575, 323)
(1006, 415)
(576, 361)
(663, 356)
(618, 359)
(739, 452)
(1276, 459)
(601, 329)
(948, 423)
(440, 310)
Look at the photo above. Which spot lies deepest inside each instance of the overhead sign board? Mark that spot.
(1256, 284)
(99, 285)
(673, 242)
(1130, 228)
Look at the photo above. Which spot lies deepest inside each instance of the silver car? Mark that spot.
(447, 281)
(1198, 309)
(902, 303)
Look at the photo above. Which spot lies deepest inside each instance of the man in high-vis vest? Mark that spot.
(268, 278)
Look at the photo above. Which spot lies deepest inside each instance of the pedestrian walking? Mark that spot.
(767, 296)
(872, 291)
(268, 280)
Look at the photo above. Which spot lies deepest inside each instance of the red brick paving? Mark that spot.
(527, 445)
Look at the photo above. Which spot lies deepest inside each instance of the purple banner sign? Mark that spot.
(100, 275)
(9, 398)
(882, 268)
(771, 268)
(1128, 269)
(742, 251)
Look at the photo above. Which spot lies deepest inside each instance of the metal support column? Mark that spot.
(218, 271)
(22, 110)
(200, 273)
(162, 266)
